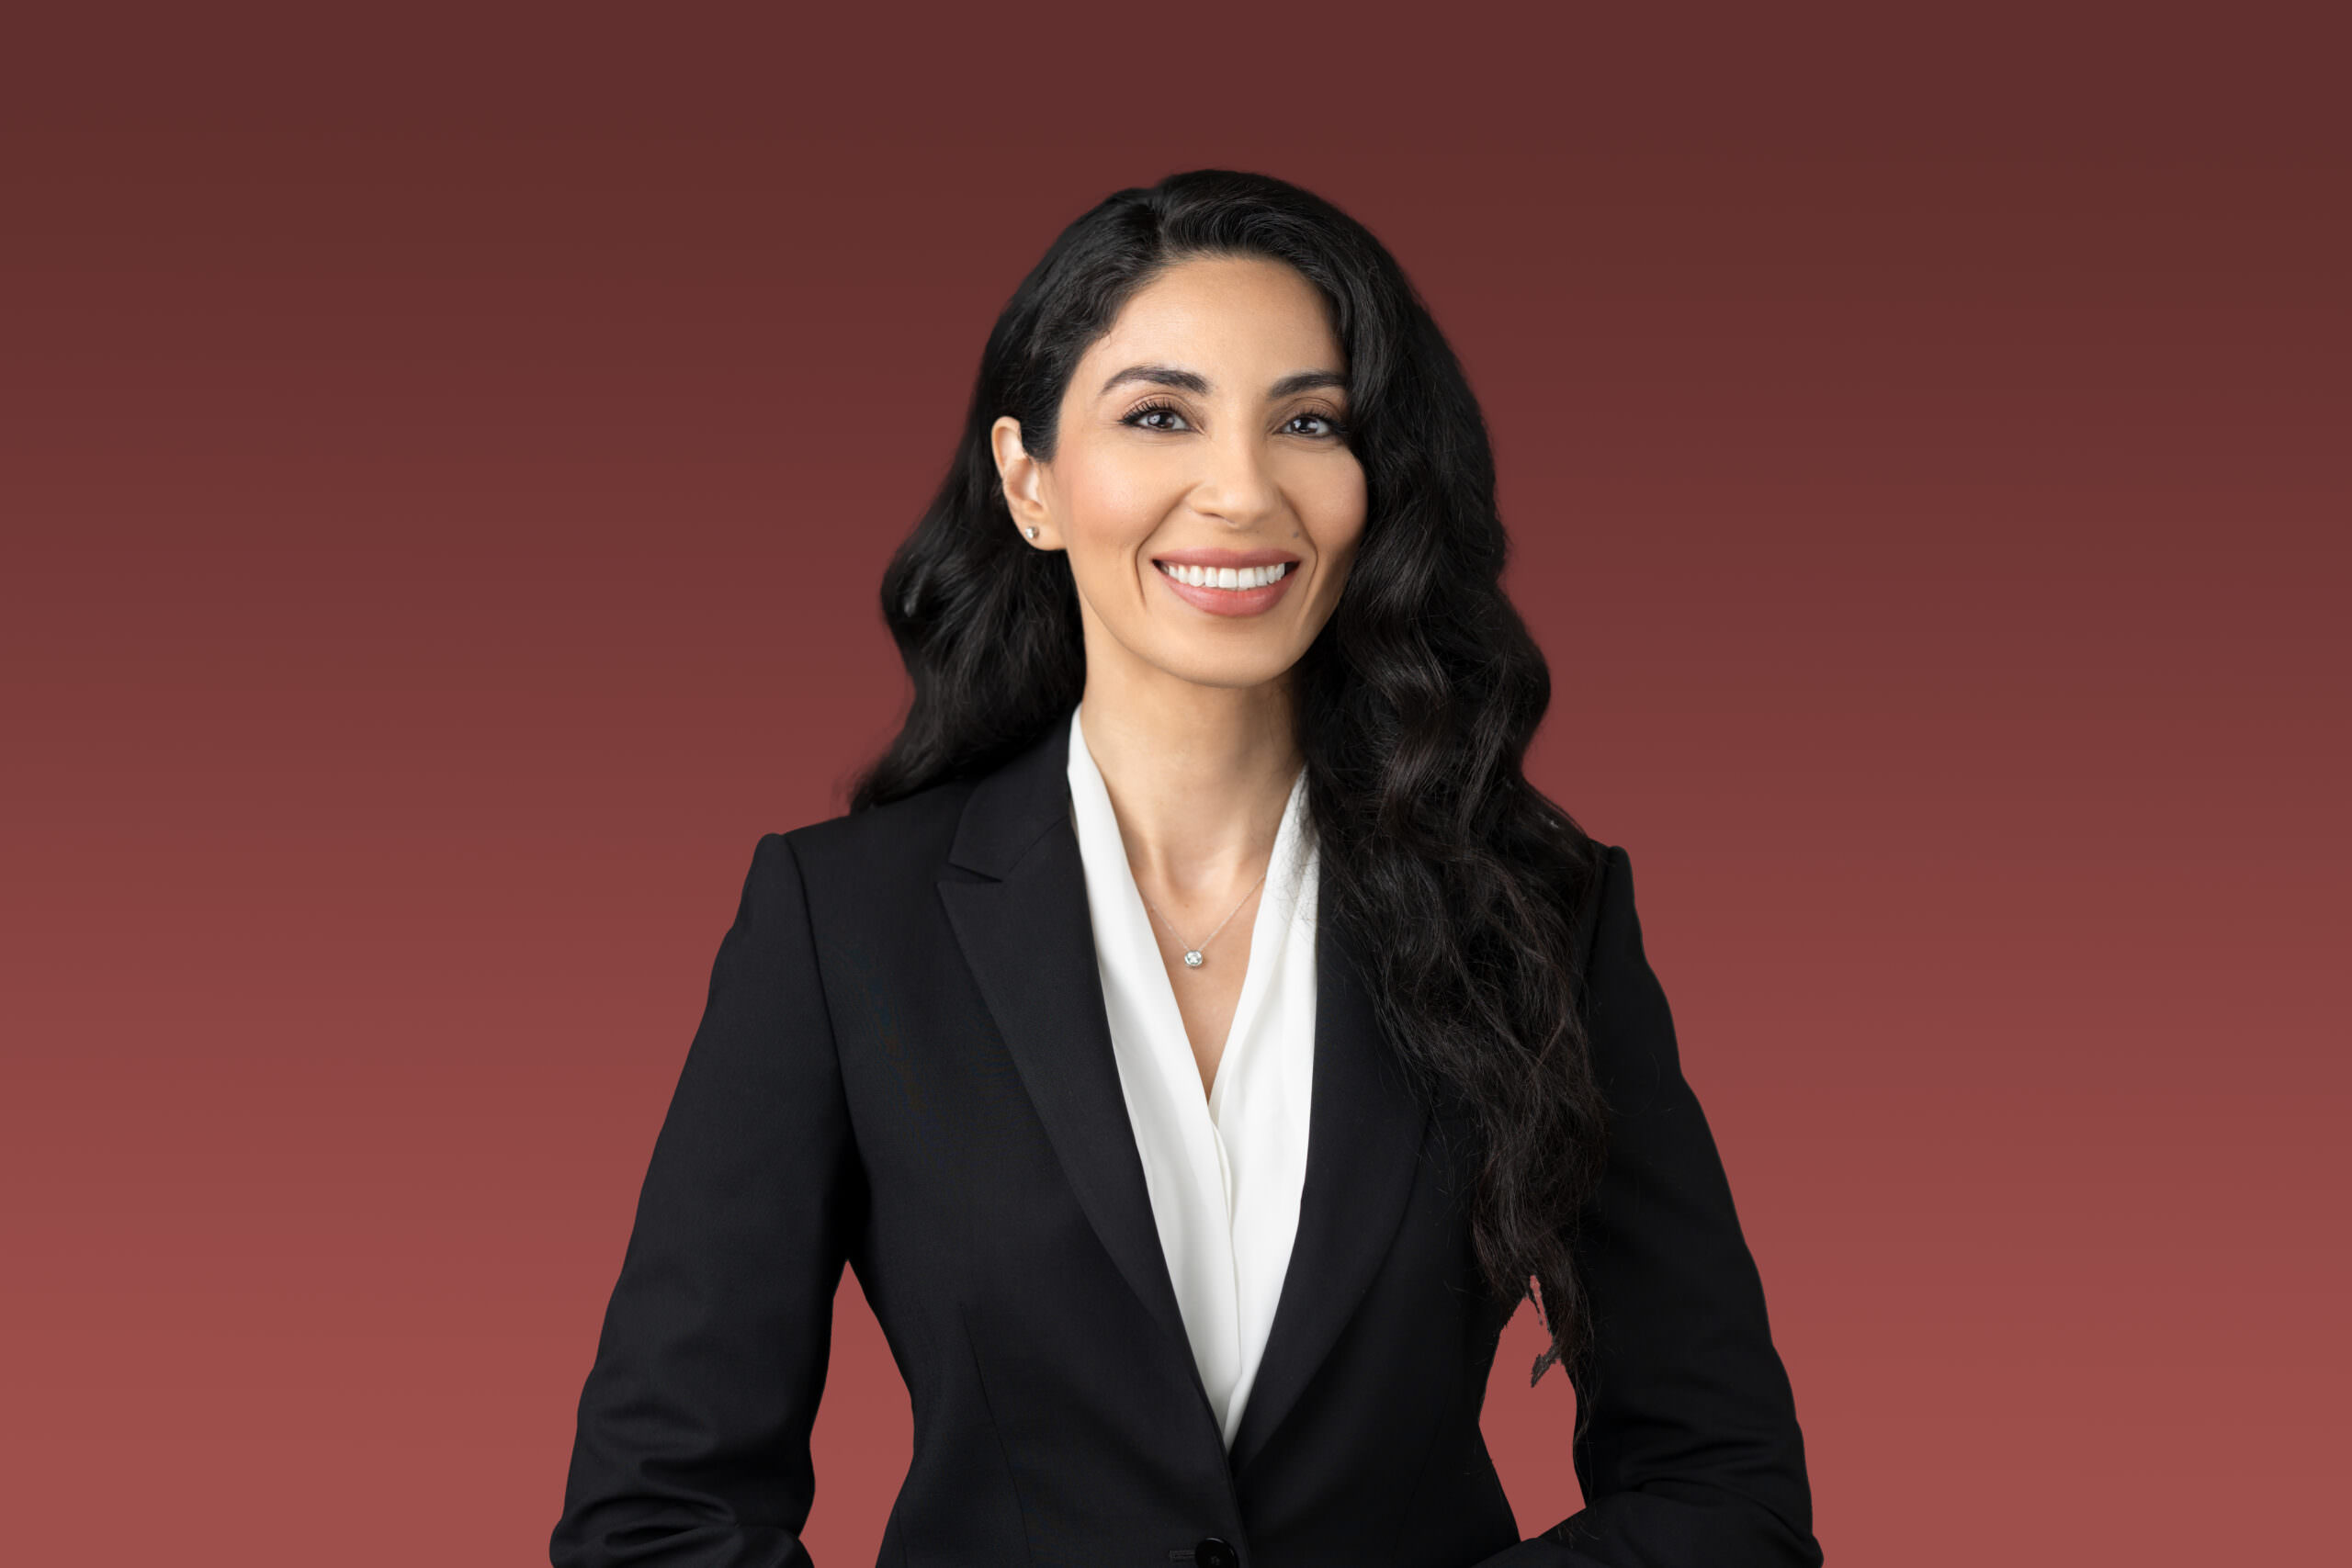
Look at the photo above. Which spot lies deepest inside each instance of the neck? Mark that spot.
(1198, 775)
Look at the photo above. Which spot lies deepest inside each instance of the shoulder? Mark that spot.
(886, 848)
(1607, 901)
(1630, 1022)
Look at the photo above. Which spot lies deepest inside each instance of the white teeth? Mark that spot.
(1236, 578)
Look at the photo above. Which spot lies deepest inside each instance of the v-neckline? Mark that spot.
(1263, 937)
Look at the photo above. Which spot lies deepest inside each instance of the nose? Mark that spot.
(1237, 485)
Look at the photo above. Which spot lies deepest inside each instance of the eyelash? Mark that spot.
(1334, 429)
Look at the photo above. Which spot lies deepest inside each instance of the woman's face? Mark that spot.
(1203, 434)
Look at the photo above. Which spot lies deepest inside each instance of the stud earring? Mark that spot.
(1031, 532)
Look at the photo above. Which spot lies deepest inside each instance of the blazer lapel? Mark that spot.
(1028, 935)
(1363, 1140)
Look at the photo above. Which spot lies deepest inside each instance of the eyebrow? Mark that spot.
(1161, 376)
(1308, 381)
(1197, 384)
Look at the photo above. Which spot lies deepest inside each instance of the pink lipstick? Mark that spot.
(1228, 583)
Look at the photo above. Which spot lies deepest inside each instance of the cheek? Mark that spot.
(1332, 504)
(1112, 503)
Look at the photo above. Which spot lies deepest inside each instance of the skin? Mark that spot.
(1189, 715)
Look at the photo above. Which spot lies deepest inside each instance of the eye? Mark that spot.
(1155, 416)
(1318, 426)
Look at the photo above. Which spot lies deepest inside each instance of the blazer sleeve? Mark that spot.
(692, 1447)
(1691, 1456)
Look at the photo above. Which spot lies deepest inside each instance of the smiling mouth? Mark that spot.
(1236, 579)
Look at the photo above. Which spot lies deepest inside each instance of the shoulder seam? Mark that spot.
(816, 962)
(1589, 914)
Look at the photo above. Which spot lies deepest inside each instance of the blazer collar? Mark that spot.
(1028, 936)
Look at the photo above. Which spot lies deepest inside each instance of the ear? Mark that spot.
(1024, 479)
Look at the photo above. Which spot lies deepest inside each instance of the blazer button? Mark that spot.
(1211, 1552)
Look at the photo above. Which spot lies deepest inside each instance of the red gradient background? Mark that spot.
(446, 461)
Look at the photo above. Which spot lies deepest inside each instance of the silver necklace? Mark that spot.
(1192, 951)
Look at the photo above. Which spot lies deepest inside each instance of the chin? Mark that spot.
(1224, 674)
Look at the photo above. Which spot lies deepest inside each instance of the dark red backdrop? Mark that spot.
(446, 462)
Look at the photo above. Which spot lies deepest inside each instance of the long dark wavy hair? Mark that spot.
(1416, 702)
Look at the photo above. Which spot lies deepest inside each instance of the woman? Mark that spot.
(1198, 1034)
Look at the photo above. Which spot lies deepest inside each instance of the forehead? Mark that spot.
(1251, 319)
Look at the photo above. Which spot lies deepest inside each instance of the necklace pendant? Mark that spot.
(1192, 959)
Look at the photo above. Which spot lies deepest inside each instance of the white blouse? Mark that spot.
(1224, 1169)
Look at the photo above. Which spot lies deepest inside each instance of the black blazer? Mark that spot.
(904, 1063)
